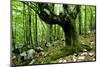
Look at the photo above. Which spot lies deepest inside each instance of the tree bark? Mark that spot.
(91, 20)
(85, 22)
(71, 36)
(80, 23)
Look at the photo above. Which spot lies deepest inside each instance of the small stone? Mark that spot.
(83, 43)
(69, 58)
(41, 53)
(84, 53)
(60, 61)
(74, 59)
(93, 59)
(14, 57)
(91, 54)
(84, 50)
(40, 48)
(92, 43)
(24, 55)
(75, 54)
(64, 61)
(88, 32)
(48, 45)
(45, 54)
(31, 53)
(81, 58)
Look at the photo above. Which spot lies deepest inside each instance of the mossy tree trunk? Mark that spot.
(65, 19)
(67, 22)
(71, 37)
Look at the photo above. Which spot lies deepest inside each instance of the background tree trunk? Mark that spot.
(80, 23)
(36, 30)
(49, 33)
(91, 20)
(85, 22)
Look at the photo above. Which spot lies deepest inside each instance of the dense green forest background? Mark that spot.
(29, 31)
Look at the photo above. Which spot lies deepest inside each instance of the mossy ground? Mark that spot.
(60, 52)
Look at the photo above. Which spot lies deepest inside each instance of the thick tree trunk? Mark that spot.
(71, 37)
(66, 21)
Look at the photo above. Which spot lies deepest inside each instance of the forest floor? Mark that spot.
(57, 54)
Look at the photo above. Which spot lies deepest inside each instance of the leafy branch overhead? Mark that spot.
(47, 14)
(68, 13)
